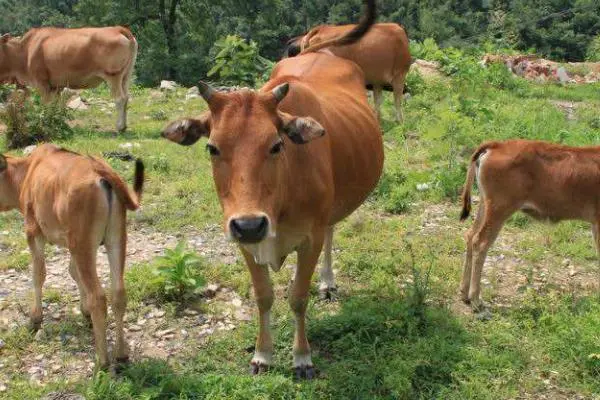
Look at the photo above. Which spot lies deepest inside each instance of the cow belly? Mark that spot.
(75, 82)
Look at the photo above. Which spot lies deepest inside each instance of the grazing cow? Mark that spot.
(289, 162)
(383, 54)
(79, 203)
(545, 180)
(50, 59)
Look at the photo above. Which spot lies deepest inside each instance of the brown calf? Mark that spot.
(547, 181)
(289, 161)
(79, 203)
(50, 59)
(383, 54)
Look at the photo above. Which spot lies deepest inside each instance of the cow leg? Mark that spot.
(596, 236)
(378, 99)
(120, 96)
(263, 292)
(327, 286)
(493, 219)
(115, 242)
(36, 245)
(82, 295)
(85, 259)
(398, 84)
(466, 276)
(308, 256)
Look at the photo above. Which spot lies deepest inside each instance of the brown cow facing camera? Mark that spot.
(290, 161)
(78, 203)
(50, 59)
(546, 181)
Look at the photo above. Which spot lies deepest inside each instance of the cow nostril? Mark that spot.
(249, 230)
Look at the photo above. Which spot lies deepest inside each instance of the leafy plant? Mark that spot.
(237, 61)
(179, 272)
(29, 121)
(593, 50)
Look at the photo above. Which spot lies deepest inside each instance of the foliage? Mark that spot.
(29, 121)
(593, 50)
(179, 272)
(237, 62)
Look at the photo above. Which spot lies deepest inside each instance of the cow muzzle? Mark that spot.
(249, 229)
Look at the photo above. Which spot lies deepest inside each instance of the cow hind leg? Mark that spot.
(398, 85)
(378, 100)
(36, 245)
(298, 299)
(85, 259)
(468, 263)
(327, 287)
(115, 242)
(483, 238)
(82, 296)
(119, 94)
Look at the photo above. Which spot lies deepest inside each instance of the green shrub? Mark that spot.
(426, 50)
(415, 84)
(179, 273)
(28, 121)
(593, 50)
(237, 62)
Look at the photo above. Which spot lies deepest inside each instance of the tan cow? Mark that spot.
(50, 59)
(290, 161)
(545, 180)
(383, 54)
(79, 203)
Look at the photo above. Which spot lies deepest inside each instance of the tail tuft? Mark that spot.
(138, 180)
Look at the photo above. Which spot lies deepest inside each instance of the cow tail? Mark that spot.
(466, 194)
(365, 24)
(130, 199)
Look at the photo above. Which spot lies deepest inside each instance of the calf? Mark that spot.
(547, 181)
(383, 54)
(79, 203)
(290, 161)
(50, 59)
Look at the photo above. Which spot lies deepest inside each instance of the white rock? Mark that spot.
(421, 187)
(77, 104)
(29, 149)
(168, 85)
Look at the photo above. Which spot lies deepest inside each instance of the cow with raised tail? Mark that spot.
(51, 59)
(289, 162)
(78, 203)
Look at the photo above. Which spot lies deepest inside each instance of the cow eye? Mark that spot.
(212, 150)
(277, 147)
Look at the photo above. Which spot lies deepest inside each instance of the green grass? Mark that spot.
(376, 343)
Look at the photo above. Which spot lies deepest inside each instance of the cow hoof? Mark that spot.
(328, 294)
(307, 372)
(257, 368)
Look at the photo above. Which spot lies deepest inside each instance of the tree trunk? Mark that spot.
(168, 18)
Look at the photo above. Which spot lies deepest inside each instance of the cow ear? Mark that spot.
(3, 163)
(301, 130)
(4, 38)
(188, 131)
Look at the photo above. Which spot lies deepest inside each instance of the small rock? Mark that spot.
(241, 315)
(55, 368)
(184, 333)
(422, 187)
(164, 332)
(237, 302)
(134, 328)
(562, 75)
(56, 315)
(40, 335)
(159, 314)
(39, 357)
(168, 85)
(572, 271)
(189, 312)
(3, 387)
(127, 145)
(27, 151)
(566, 262)
(192, 93)
(77, 104)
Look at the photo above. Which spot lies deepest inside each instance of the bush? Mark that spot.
(415, 84)
(237, 61)
(28, 121)
(593, 50)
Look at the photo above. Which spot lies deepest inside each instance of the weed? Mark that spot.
(179, 272)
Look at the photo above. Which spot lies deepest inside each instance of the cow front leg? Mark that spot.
(327, 287)
(263, 292)
(36, 245)
(308, 256)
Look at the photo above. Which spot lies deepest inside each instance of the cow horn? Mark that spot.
(206, 91)
(281, 91)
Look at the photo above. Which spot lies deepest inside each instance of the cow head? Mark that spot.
(247, 140)
(9, 194)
